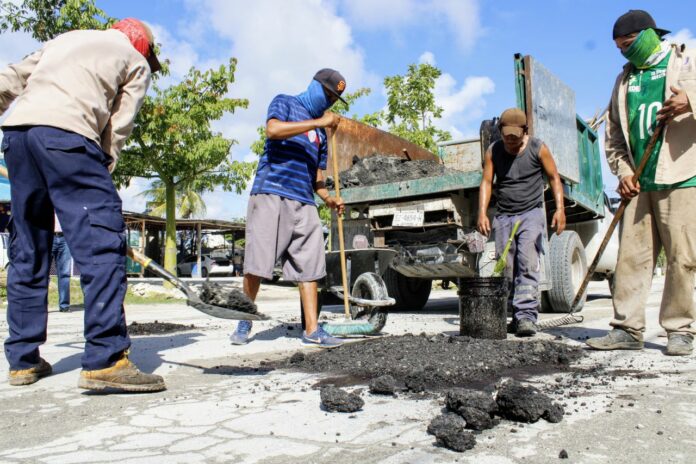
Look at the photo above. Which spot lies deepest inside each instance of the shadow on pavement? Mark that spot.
(145, 351)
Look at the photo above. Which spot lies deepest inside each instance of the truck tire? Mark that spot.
(410, 293)
(370, 286)
(568, 268)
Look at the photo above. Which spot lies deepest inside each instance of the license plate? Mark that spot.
(408, 218)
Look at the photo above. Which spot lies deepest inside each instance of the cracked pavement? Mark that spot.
(224, 404)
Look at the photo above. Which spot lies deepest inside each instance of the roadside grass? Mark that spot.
(77, 297)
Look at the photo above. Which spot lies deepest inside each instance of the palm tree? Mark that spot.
(188, 197)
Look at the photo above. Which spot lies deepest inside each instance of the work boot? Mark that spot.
(679, 344)
(28, 376)
(124, 376)
(617, 339)
(525, 328)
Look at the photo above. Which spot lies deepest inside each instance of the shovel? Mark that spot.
(571, 318)
(192, 298)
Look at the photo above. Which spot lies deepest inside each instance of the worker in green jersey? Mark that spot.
(658, 84)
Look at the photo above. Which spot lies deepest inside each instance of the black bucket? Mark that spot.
(483, 307)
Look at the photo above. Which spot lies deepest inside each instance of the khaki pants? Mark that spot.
(654, 220)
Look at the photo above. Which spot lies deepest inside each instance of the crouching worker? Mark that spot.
(75, 102)
(517, 163)
(282, 218)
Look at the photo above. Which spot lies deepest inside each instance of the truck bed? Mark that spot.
(421, 188)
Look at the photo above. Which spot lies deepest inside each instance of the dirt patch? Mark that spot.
(156, 328)
(225, 296)
(380, 169)
(336, 400)
(434, 363)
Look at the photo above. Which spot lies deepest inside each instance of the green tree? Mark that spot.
(174, 143)
(188, 197)
(411, 106)
(45, 19)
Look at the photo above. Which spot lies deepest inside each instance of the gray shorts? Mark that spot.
(278, 228)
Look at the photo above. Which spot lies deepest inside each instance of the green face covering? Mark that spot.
(647, 43)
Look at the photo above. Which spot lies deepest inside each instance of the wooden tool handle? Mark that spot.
(657, 132)
(341, 243)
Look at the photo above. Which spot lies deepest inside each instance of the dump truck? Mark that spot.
(411, 232)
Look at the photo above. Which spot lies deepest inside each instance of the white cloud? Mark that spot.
(181, 55)
(130, 197)
(459, 17)
(427, 58)
(463, 105)
(683, 36)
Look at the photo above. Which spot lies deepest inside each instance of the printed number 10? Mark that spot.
(646, 120)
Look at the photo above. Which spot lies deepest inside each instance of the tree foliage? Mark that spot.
(173, 141)
(45, 19)
(411, 106)
(188, 198)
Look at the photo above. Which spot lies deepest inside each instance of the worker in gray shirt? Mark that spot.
(517, 163)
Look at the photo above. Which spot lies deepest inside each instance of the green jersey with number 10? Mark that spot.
(646, 92)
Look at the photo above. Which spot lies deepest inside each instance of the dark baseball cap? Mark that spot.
(635, 21)
(513, 121)
(332, 81)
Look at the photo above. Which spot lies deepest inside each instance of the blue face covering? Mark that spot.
(314, 99)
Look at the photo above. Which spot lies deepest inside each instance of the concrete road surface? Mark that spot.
(223, 405)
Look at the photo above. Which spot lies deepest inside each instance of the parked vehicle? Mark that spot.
(211, 265)
(4, 246)
(415, 231)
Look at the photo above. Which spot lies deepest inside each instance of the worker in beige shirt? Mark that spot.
(75, 102)
(657, 85)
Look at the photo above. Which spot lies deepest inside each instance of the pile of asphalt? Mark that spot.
(381, 169)
(420, 363)
(157, 328)
(464, 371)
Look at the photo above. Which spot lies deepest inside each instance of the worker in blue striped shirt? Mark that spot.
(282, 218)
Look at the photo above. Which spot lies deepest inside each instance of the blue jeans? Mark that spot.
(523, 260)
(61, 255)
(52, 169)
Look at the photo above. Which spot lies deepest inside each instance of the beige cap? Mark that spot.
(513, 121)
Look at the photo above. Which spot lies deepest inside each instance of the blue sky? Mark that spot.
(281, 43)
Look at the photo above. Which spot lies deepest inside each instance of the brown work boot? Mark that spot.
(124, 376)
(617, 339)
(30, 375)
(679, 344)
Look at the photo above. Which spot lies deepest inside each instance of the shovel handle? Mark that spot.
(341, 242)
(617, 217)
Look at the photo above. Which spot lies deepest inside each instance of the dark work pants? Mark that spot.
(523, 260)
(51, 169)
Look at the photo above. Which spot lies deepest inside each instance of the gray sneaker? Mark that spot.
(241, 335)
(679, 344)
(617, 339)
(525, 328)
